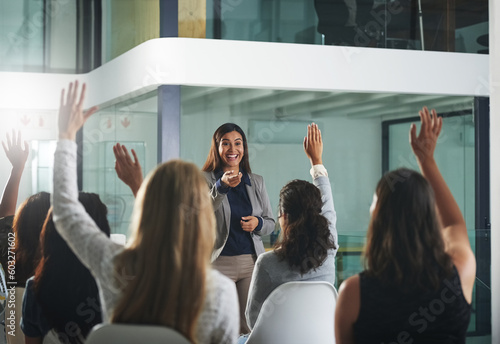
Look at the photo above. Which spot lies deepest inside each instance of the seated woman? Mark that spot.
(308, 246)
(62, 291)
(419, 266)
(163, 276)
(17, 154)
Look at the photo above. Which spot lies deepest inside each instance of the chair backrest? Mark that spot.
(297, 313)
(134, 334)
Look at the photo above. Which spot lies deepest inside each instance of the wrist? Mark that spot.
(67, 136)
(316, 161)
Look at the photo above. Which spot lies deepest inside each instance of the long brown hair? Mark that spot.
(27, 225)
(405, 247)
(165, 266)
(62, 283)
(214, 161)
(305, 242)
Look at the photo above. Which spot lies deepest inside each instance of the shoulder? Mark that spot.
(256, 177)
(221, 283)
(209, 176)
(30, 284)
(266, 258)
(221, 294)
(349, 300)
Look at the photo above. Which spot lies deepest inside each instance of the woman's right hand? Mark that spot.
(71, 114)
(424, 144)
(230, 179)
(313, 144)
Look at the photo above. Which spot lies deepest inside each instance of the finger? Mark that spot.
(439, 125)
(136, 159)
(18, 141)
(116, 151)
(68, 96)
(26, 147)
(305, 143)
(61, 103)
(90, 112)
(319, 136)
(423, 125)
(427, 118)
(74, 93)
(82, 95)
(434, 121)
(413, 134)
(5, 148)
(315, 132)
(127, 156)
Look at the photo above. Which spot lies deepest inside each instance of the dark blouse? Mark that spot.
(387, 315)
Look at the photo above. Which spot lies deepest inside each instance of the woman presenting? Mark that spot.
(242, 210)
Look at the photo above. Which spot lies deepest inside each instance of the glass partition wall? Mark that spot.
(132, 123)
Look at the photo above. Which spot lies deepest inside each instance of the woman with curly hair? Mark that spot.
(307, 249)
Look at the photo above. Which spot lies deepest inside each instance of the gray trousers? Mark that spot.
(239, 269)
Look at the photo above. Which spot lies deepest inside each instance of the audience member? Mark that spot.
(242, 209)
(17, 156)
(306, 251)
(61, 300)
(419, 266)
(163, 276)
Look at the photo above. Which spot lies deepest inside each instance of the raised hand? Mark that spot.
(231, 179)
(130, 172)
(71, 115)
(313, 144)
(424, 144)
(16, 154)
(17, 157)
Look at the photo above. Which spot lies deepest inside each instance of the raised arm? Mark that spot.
(130, 172)
(17, 156)
(94, 249)
(313, 147)
(454, 228)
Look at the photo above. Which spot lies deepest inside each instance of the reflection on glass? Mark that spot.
(434, 25)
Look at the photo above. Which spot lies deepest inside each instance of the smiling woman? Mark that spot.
(242, 209)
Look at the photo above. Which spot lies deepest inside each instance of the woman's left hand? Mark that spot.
(249, 223)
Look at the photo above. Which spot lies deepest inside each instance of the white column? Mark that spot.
(494, 18)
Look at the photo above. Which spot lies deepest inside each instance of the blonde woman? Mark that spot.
(163, 276)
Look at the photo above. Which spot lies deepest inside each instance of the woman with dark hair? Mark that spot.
(28, 223)
(17, 155)
(242, 209)
(307, 248)
(419, 266)
(62, 296)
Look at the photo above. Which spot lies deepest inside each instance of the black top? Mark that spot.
(388, 315)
